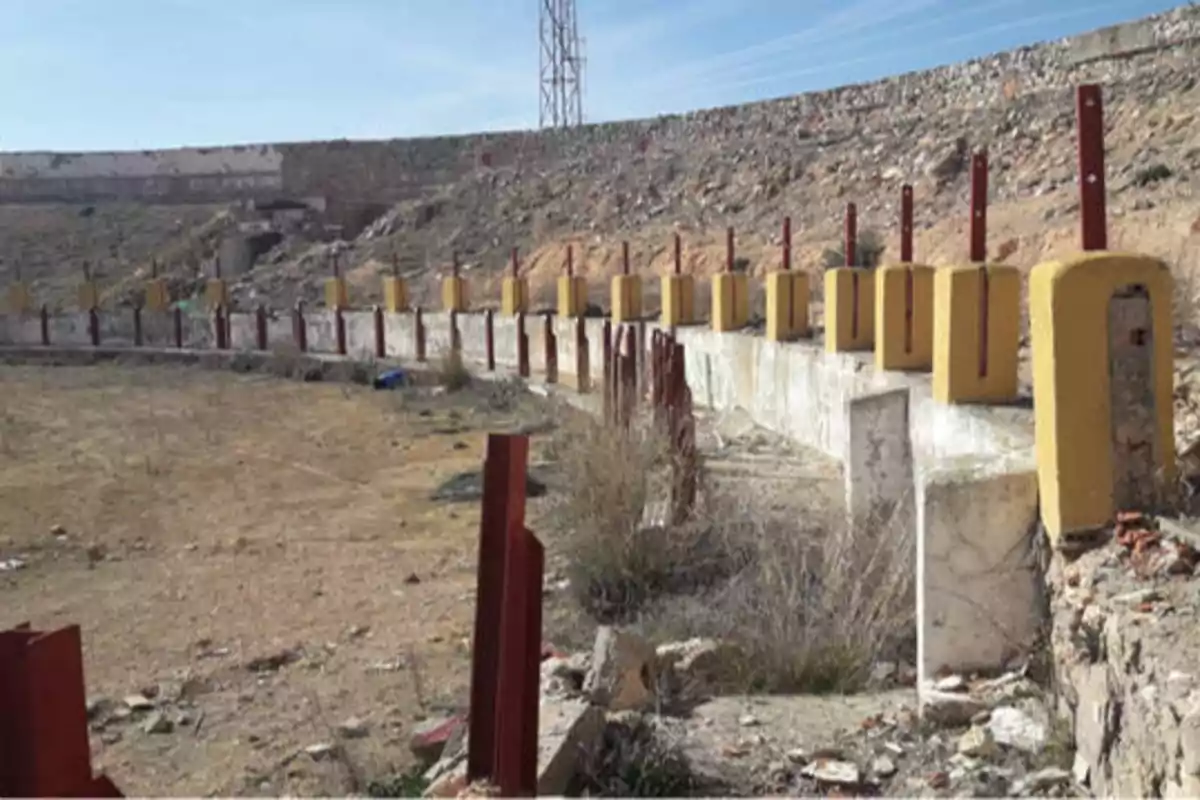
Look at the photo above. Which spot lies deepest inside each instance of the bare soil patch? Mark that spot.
(260, 559)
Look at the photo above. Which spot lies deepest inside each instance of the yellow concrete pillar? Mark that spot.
(730, 301)
(849, 309)
(514, 296)
(572, 296)
(20, 299)
(787, 305)
(395, 294)
(904, 317)
(89, 296)
(158, 297)
(977, 312)
(1101, 331)
(454, 293)
(336, 295)
(678, 300)
(626, 298)
(216, 293)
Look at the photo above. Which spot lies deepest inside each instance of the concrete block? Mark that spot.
(878, 464)
(216, 293)
(514, 296)
(395, 295)
(979, 587)
(849, 309)
(904, 317)
(454, 293)
(335, 293)
(626, 298)
(1101, 332)
(89, 296)
(621, 676)
(787, 305)
(20, 299)
(678, 300)
(730, 301)
(572, 296)
(158, 297)
(977, 314)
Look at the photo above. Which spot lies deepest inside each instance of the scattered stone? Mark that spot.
(883, 767)
(978, 743)
(320, 751)
(703, 666)
(158, 722)
(138, 702)
(412, 579)
(1046, 778)
(11, 564)
(749, 721)
(1012, 727)
(843, 773)
(622, 674)
(273, 662)
(951, 683)
(569, 735)
(353, 728)
(428, 741)
(467, 487)
(949, 710)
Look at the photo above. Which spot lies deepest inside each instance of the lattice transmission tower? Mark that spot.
(561, 65)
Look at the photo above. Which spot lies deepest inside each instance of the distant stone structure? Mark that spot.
(349, 175)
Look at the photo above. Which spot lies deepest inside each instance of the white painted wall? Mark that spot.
(187, 161)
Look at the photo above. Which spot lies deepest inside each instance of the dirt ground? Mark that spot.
(260, 559)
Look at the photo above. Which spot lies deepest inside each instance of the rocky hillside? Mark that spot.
(747, 167)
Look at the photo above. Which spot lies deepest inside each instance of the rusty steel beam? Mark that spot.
(583, 372)
(260, 327)
(1089, 115)
(300, 327)
(137, 326)
(455, 338)
(550, 343)
(906, 224)
(489, 339)
(419, 333)
(45, 324)
(177, 324)
(787, 243)
(979, 191)
(339, 330)
(94, 327)
(522, 346)
(503, 510)
(850, 242)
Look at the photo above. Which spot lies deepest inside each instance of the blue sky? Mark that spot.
(132, 74)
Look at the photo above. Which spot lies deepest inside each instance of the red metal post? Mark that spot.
(979, 190)
(1089, 115)
(635, 359)
(454, 267)
(516, 270)
(606, 369)
(45, 320)
(300, 327)
(519, 675)
(729, 249)
(550, 341)
(656, 375)
(787, 242)
(906, 224)
(94, 327)
(583, 376)
(380, 332)
(419, 333)
(570, 262)
(178, 325)
(137, 326)
(455, 337)
(850, 245)
(339, 330)
(624, 258)
(678, 261)
(489, 339)
(522, 347)
(44, 750)
(503, 510)
(260, 327)
(219, 329)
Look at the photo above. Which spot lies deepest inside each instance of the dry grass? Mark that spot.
(812, 604)
(235, 516)
(453, 373)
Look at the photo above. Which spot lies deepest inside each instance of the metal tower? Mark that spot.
(561, 65)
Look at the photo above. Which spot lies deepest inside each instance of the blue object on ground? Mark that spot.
(391, 379)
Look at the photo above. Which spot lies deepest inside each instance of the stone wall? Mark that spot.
(391, 170)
